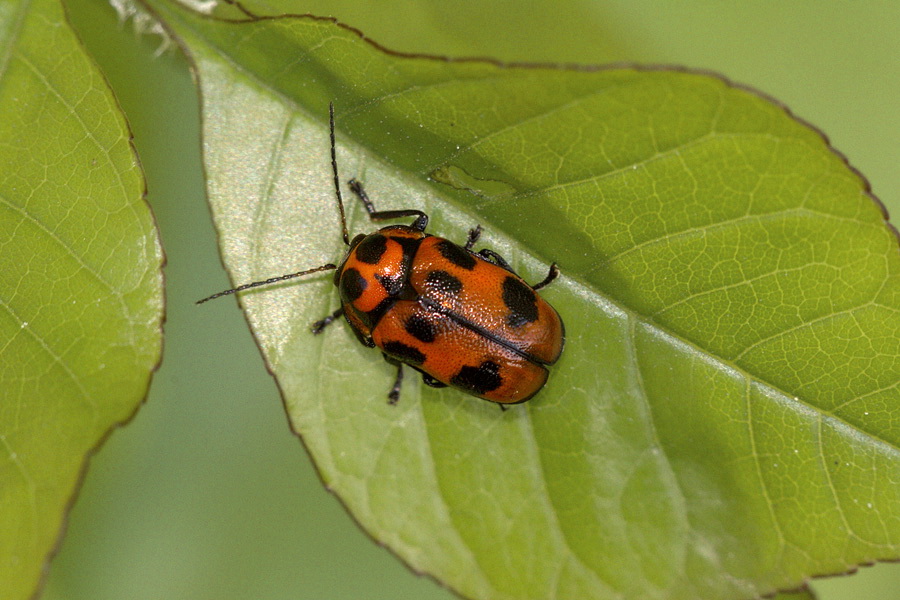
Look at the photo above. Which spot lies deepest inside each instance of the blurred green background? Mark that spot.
(207, 494)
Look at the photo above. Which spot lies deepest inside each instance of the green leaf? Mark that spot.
(721, 424)
(585, 30)
(80, 280)
(801, 594)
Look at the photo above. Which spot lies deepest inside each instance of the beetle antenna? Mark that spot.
(271, 280)
(337, 181)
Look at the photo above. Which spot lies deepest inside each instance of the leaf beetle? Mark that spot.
(461, 318)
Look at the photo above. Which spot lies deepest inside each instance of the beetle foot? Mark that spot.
(394, 394)
(321, 324)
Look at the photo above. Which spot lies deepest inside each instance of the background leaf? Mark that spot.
(802, 594)
(196, 488)
(743, 267)
(80, 281)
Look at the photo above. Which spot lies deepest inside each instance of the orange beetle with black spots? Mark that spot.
(461, 318)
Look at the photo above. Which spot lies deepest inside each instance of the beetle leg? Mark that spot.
(474, 234)
(432, 382)
(419, 224)
(394, 394)
(321, 324)
(493, 257)
(553, 274)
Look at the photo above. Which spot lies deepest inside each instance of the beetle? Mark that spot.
(461, 318)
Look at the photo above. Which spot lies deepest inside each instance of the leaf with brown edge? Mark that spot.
(721, 422)
(80, 281)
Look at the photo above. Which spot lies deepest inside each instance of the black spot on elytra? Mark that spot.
(404, 353)
(371, 249)
(409, 245)
(458, 256)
(391, 285)
(443, 281)
(420, 328)
(353, 284)
(479, 380)
(521, 302)
(374, 316)
(356, 240)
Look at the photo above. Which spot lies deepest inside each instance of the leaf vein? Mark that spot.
(42, 343)
(88, 132)
(813, 322)
(39, 226)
